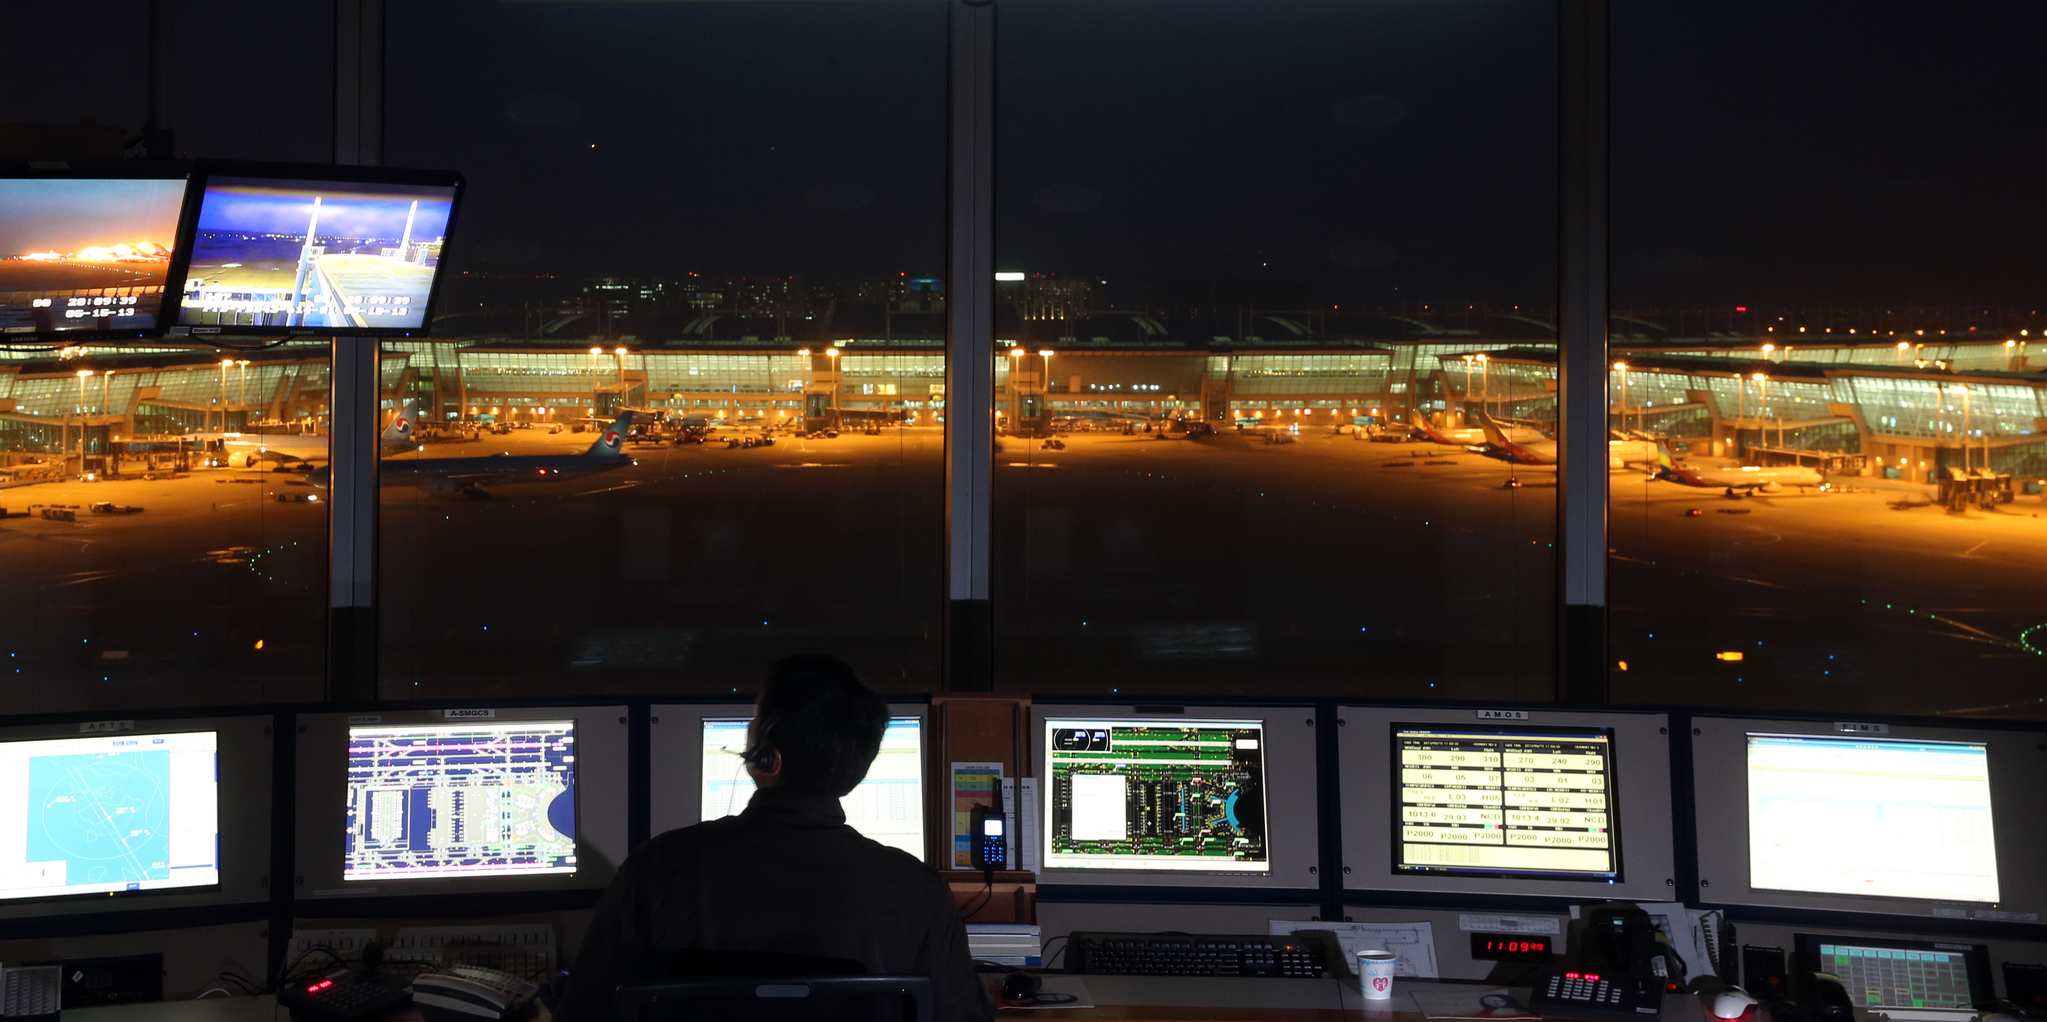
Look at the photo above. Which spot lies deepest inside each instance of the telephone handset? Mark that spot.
(465, 993)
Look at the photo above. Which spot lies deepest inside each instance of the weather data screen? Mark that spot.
(315, 254)
(108, 813)
(888, 806)
(85, 254)
(461, 800)
(1156, 795)
(1505, 802)
(1892, 819)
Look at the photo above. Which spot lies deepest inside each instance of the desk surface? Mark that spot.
(1156, 998)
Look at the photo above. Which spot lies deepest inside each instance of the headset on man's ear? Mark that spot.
(763, 756)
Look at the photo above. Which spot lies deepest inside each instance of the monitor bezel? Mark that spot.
(1616, 839)
(2019, 813)
(207, 170)
(1293, 854)
(1641, 770)
(601, 766)
(243, 779)
(174, 271)
(1806, 953)
(675, 756)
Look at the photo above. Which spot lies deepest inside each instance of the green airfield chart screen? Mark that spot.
(1508, 801)
(1154, 795)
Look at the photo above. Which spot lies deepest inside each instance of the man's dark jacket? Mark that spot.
(787, 876)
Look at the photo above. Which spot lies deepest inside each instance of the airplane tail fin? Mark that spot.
(611, 442)
(1668, 468)
(400, 429)
(1493, 433)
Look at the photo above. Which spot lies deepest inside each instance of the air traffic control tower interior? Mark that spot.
(1503, 487)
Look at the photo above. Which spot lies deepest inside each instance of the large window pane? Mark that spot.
(1818, 275)
(1251, 248)
(163, 544)
(728, 217)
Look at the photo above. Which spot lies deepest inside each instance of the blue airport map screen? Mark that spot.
(481, 799)
(105, 814)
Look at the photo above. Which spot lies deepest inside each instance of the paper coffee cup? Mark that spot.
(1375, 974)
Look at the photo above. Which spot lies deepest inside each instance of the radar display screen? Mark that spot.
(1156, 795)
(461, 800)
(109, 813)
(1525, 802)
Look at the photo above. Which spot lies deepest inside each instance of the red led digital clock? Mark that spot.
(1512, 947)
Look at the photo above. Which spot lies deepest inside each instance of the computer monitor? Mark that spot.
(1506, 800)
(887, 806)
(460, 800)
(109, 812)
(477, 798)
(310, 250)
(87, 252)
(698, 774)
(1176, 796)
(1896, 977)
(1155, 794)
(1870, 816)
(1549, 803)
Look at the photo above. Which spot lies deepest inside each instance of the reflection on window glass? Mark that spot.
(1268, 276)
(166, 530)
(1836, 354)
(688, 414)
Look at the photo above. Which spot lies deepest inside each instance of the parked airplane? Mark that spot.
(248, 450)
(1473, 436)
(1749, 478)
(1499, 444)
(445, 476)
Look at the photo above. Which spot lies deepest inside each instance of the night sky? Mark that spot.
(65, 216)
(1380, 153)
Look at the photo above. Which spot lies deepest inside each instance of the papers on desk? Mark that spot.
(1690, 932)
(1468, 1002)
(1415, 943)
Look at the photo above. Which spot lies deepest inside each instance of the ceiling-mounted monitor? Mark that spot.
(86, 251)
(316, 250)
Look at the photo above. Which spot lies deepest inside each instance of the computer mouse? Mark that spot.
(1731, 1003)
(1997, 1016)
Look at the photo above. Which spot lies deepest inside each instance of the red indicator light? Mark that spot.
(1591, 975)
(1570, 975)
(312, 988)
(1741, 308)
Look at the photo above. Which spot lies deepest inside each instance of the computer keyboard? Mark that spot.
(1197, 954)
(522, 949)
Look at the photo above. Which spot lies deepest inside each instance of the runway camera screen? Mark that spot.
(1505, 802)
(85, 254)
(108, 813)
(1136, 794)
(315, 255)
(482, 799)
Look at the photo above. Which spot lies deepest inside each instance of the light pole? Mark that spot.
(83, 374)
(1767, 349)
(1966, 460)
(243, 400)
(1467, 380)
(1016, 390)
(225, 365)
(1762, 401)
(2010, 349)
(1485, 384)
(1622, 368)
(595, 354)
(809, 380)
(1045, 388)
(838, 384)
(1903, 347)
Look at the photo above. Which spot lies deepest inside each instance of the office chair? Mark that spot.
(781, 999)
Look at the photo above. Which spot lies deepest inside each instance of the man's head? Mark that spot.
(815, 728)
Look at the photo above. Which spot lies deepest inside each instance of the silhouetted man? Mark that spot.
(787, 876)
